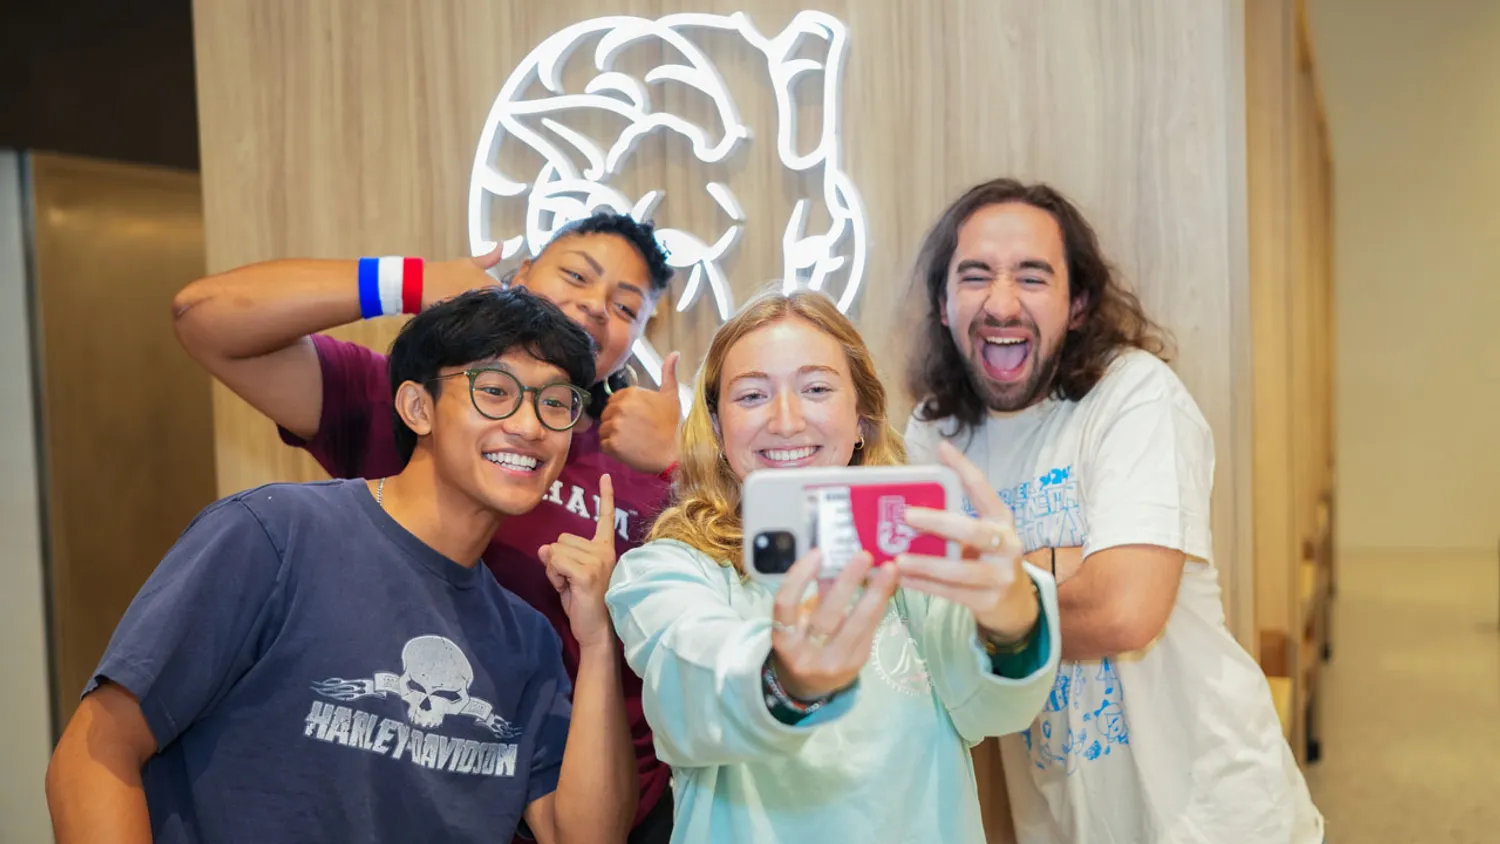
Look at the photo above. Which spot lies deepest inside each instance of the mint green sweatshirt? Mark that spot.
(886, 762)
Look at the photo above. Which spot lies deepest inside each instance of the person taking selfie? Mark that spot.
(848, 718)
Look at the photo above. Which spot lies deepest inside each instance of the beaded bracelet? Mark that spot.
(777, 696)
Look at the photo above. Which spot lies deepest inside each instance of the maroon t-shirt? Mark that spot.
(356, 439)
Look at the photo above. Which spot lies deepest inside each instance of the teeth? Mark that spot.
(782, 455)
(512, 460)
(1004, 341)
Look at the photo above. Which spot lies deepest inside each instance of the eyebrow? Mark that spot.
(502, 366)
(810, 368)
(599, 270)
(1028, 264)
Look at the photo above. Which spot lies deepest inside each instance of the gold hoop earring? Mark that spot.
(861, 444)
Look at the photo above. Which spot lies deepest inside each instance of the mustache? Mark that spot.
(987, 321)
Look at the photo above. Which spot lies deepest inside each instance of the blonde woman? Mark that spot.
(850, 721)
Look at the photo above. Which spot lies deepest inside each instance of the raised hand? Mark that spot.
(639, 425)
(579, 570)
(445, 279)
(989, 579)
(818, 648)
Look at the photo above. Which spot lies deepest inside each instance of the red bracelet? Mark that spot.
(411, 285)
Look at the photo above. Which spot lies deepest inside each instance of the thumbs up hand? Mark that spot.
(639, 425)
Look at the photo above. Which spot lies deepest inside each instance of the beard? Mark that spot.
(1018, 395)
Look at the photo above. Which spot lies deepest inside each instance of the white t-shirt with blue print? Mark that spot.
(1178, 742)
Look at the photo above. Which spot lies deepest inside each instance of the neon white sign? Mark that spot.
(577, 172)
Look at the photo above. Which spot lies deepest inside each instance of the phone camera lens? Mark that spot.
(775, 551)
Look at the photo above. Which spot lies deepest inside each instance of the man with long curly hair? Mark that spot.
(1037, 362)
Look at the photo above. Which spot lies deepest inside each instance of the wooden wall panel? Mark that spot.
(1270, 57)
(340, 128)
(1290, 175)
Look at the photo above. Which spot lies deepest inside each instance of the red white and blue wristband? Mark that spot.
(389, 286)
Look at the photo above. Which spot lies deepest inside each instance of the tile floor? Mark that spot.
(1411, 709)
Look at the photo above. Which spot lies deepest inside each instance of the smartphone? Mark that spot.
(840, 510)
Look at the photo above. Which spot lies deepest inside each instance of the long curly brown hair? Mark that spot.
(1112, 318)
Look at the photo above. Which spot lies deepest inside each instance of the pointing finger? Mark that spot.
(606, 528)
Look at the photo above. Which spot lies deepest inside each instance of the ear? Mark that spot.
(416, 407)
(942, 308)
(1076, 308)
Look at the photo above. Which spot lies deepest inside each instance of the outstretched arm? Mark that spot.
(249, 326)
(702, 663)
(988, 623)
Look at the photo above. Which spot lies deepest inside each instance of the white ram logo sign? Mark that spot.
(578, 174)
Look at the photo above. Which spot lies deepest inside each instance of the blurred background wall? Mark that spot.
(1413, 93)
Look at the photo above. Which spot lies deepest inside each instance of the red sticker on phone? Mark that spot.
(879, 518)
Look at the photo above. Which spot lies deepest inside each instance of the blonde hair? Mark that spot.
(706, 494)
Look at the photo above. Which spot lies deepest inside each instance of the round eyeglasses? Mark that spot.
(497, 394)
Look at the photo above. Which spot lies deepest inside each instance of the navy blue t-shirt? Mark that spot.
(314, 672)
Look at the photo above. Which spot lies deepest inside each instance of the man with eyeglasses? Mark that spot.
(260, 330)
(332, 662)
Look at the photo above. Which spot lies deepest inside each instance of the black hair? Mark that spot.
(480, 325)
(640, 235)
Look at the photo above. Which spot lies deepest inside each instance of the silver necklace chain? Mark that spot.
(380, 495)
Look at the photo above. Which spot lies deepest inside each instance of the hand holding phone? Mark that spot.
(986, 576)
(819, 646)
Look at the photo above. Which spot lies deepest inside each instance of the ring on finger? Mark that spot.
(995, 541)
(817, 639)
(783, 627)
